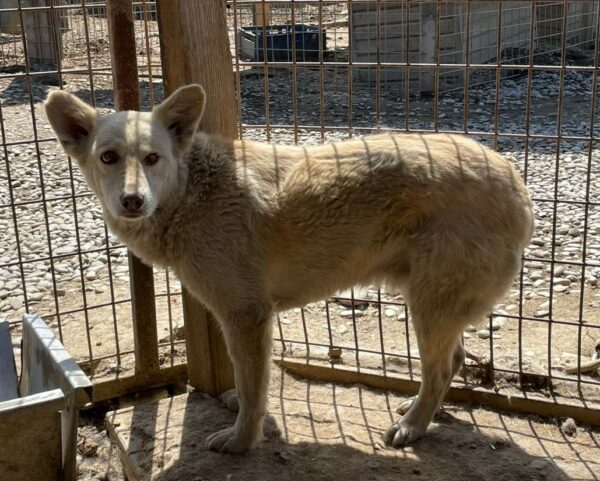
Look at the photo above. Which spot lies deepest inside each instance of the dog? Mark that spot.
(252, 228)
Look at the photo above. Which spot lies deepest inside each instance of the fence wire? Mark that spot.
(520, 76)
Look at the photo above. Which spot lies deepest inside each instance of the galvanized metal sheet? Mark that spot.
(8, 371)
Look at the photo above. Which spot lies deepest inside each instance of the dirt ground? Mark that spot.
(320, 431)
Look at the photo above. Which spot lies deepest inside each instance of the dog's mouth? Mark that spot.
(132, 215)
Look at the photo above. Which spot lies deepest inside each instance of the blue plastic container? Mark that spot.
(279, 42)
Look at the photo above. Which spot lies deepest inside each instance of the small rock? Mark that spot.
(342, 330)
(471, 328)
(99, 290)
(498, 323)
(4, 294)
(390, 312)
(483, 334)
(569, 427)
(539, 464)
(35, 296)
(352, 313)
(88, 448)
(15, 303)
(335, 352)
(90, 275)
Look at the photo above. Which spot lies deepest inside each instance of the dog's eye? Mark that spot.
(109, 157)
(151, 159)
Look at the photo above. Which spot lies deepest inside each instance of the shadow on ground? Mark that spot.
(327, 432)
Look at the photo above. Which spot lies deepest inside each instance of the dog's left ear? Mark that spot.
(73, 121)
(181, 114)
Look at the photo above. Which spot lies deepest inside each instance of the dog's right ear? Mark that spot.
(73, 121)
(180, 113)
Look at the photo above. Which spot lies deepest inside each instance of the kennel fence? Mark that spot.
(533, 99)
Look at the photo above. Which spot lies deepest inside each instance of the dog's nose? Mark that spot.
(132, 202)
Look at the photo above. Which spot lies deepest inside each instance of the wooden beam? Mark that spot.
(195, 49)
(127, 97)
(466, 395)
(120, 385)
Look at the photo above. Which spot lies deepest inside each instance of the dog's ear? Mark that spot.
(181, 114)
(73, 121)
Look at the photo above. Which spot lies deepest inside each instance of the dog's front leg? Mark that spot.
(248, 338)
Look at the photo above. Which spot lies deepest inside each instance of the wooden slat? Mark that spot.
(127, 97)
(120, 386)
(195, 49)
(467, 395)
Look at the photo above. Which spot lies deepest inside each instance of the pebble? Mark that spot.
(569, 427)
(352, 313)
(483, 334)
(390, 312)
(15, 303)
(88, 448)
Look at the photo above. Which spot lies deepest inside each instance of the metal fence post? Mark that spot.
(127, 97)
(195, 48)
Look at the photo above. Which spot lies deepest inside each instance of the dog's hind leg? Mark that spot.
(436, 349)
(457, 361)
(248, 338)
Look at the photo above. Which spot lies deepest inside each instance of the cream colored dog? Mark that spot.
(252, 228)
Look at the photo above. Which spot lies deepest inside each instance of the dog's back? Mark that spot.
(370, 209)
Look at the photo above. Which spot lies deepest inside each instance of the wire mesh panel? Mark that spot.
(518, 76)
(57, 258)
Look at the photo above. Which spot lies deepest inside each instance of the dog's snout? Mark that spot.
(132, 202)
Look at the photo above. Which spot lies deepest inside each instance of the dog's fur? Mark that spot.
(252, 228)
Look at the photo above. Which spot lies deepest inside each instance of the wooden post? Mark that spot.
(127, 97)
(195, 49)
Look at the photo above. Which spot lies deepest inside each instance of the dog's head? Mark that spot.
(130, 159)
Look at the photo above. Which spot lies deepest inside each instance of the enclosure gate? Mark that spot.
(519, 76)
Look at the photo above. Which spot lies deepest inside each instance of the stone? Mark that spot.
(390, 312)
(498, 322)
(349, 313)
(88, 448)
(569, 427)
(483, 334)
(35, 296)
(15, 303)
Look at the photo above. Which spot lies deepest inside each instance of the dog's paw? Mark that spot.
(230, 400)
(403, 433)
(228, 440)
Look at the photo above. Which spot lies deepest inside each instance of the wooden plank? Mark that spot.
(127, 97)
(30, 437)
(120, 386)
(466, 395)
(193, 35)
(8, 370)
(204, 339)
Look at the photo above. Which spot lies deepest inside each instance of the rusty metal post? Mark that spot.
(127, 97)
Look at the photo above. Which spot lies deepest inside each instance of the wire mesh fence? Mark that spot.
(520, 76)
(57, 257)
